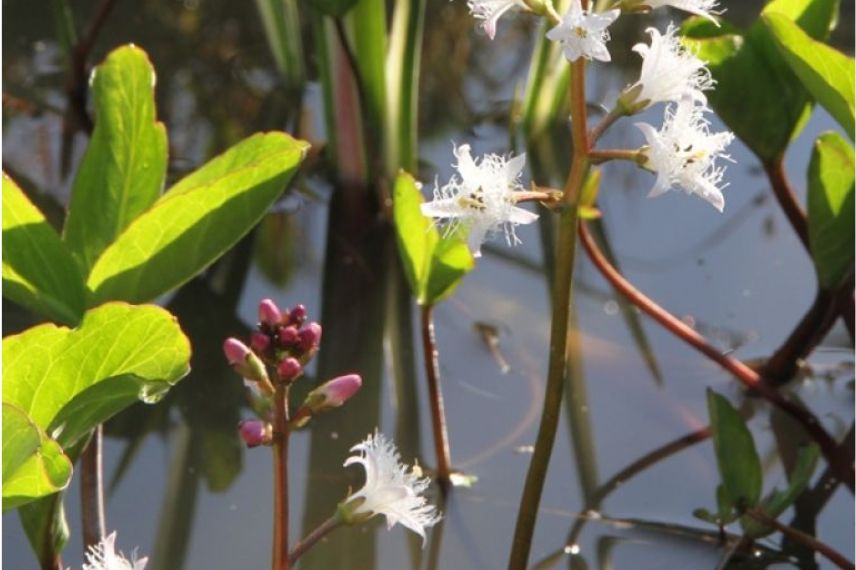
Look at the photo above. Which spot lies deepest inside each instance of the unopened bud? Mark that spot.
(259, 341)
(269, 313)
(297, 315)
(334, 393)
(310, 337)
(244, 361)
(288, 336)
(255, 432)
(289, 369)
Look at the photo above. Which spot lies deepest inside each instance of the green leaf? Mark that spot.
(830, 208)
(739, 466)
(769, 115)
(54, 373)
(825, 72)
(433, 265)
(34, 465)
(122, 172)
(197, 220)
(38, 270)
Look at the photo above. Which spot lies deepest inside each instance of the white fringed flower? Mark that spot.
(583, 34)
(103, 556)
(483, 198)
(491, 11)
(669, 72)
(683, 152)
(391, 489)
(704, 8)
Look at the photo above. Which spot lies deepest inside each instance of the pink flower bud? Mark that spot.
(259, 341)
(310, 337)
(297, 315)
(289, 369)
(288, 336)
(236, 351)
(254, 432)
(269, 313)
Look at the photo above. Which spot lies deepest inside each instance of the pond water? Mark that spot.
(184, 490)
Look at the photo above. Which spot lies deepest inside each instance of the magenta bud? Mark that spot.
(297, 315)
(288, 336)
(236, 351)
(289, 369)
(333, 393)
(254, 432)
(269, 313)
(259, 341)
(310, 336)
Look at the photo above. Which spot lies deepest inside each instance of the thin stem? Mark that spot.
(438, 414)
(92, 491)
(313, 537)
(824, 549)
(280, 478)
(751, 379)
(601, 156)
(559, 338)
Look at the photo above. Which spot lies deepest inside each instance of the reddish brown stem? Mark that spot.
(280, 478)
(92, 492)
(842, 466)
(435, 393)
(824, 549)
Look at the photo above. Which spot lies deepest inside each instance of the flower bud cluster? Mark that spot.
(283, 342)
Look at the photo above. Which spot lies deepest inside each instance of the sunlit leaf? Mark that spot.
(826, 72)
(122, 172)
(38, 270)
(830, 208)
(70, 380)
(197, 220)
(33, 464)
(736, 456)
(434, 265)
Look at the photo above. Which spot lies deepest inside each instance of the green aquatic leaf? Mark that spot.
(830, 208)
(122, 172)
(70, 380)
(826, 72)
(197, 220)
(769, 115)
(736, 456)
(38, 270)
(34, 465)
(434, 265)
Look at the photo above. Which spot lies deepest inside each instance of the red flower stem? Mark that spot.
(280, 478)
(843, 467)
(798, 536)
(438, 414)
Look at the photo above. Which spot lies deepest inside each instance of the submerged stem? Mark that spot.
(438, 414)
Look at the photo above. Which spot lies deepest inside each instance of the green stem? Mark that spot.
(559, 337)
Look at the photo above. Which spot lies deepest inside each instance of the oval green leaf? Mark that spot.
(196, 221)
(830, 208)
(826, 72)
(54, 374)
(736, 456)
(34, 465)
(38, 270)
(122, 172)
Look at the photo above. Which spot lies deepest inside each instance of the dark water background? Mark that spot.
(182, 488)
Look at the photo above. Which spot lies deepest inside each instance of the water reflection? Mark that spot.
(632, 464)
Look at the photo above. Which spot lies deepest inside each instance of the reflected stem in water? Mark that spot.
(822, 548)
(559, 338)
(280, 472)
(435, 393)
(92, 491)
(841, 463)
(313, 537)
